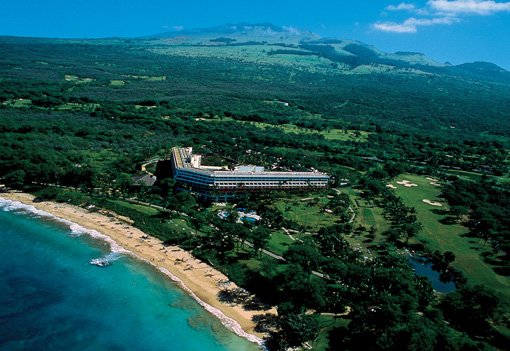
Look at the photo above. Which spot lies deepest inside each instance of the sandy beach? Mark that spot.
(200, 280)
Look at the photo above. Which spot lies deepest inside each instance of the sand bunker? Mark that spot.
(391, 186)
(432, 179)
(406, 183)
(433, 203)
(435, 184)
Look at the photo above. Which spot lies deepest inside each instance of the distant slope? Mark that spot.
(484, 70)
(307, 50)
(240, 32)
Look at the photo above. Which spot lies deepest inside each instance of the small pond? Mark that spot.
(440, 280)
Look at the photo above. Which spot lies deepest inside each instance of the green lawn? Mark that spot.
(306, 213)
(18, 103)
(117, 82)
(333, 134)
(443, 237)
(478, 176)
(279, 242)
(327, 325)
(372, 217)
(76, 106)
(177, 224)
(146, 210)
(77, 80)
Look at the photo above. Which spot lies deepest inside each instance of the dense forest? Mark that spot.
(85, 114)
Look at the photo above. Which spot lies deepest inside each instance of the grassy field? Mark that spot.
(478, 176)
(146, 210)
(76, 106)
(252, 53)
(22, 103)
(177, 224)
(148, 78)
(19, 103)
(333, 134)
(372, 217)
(279, 242)
(77, 80)
(117, 82)
(303, 211)
(449, 237)
(327, 324)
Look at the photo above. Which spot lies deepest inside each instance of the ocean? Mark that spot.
(52, 298)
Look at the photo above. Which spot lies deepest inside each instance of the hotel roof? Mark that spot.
(181, 157)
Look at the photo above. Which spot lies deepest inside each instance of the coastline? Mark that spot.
(195, 277)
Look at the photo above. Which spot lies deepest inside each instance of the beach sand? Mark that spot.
(200, 280)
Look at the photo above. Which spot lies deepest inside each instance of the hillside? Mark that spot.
(307, 50)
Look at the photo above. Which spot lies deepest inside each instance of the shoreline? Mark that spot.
(198, 279)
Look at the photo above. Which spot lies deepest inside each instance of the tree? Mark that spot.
(15, 179)
(242, 232)
(448, 257)
(125, 182)
(473, 309)
(394, 169)
(197, 220)
(260, 237)
(411, 229)
(48, 193)
(297, 328)
(378, 173)
(269, 267)
(300, 289)
(458, 211)
(331, 239)
(305, 254)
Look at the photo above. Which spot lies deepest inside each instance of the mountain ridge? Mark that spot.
(349, 54)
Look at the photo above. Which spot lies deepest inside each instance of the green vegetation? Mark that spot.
(116, 82)
(443, 234)
(85, 115)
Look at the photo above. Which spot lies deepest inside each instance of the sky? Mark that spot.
(455, 31)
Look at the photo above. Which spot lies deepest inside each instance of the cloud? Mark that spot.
(478, 7)
(432, 21)
(400, 7)
(439, 12)
(178, 28)
(393, 27)
(411, 25)
(291, 30)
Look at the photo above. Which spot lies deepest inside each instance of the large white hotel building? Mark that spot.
(217, 183)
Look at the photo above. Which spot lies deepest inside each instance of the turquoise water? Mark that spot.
(52, 298)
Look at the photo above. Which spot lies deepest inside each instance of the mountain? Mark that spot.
(266, 43)
(266, 32)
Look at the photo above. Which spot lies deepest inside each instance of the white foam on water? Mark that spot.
(226, 321)
(76, 229)
(116, 249)
(106, 260)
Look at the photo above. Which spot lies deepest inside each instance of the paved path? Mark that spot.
(350, 208)
(144, 169)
